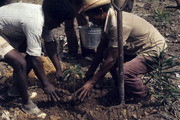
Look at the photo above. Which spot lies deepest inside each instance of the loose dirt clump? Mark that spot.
(100, 104)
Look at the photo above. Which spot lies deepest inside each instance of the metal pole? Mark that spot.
(117, 6)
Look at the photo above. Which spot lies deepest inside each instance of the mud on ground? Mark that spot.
(99, 105)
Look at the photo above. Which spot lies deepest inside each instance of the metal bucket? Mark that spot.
(90, 36)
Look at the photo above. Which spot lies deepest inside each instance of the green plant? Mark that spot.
(149, 1)
(72, 73)
(161, 16)
(163, 78)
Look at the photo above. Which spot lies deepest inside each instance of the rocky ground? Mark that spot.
(99, 106)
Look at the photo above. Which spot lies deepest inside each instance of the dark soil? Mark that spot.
(103, 103)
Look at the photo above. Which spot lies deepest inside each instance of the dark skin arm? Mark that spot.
(51, 49)
(71, 36)
(17, 61)
(98, 57)
(14, 59)
(110, 60)
(40, 73)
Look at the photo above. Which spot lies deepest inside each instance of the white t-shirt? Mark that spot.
(23, 21)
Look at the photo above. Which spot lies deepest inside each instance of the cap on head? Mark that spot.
(91, 4)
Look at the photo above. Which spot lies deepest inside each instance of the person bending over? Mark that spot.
(140, 39)
(21, 26)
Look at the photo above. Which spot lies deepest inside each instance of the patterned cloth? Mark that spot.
(4, 47)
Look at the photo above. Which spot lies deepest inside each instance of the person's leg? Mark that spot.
(13, 91)
(82, 21)
(71, 37)
(114, 69)
(114, 74)
(134, 86)
(17, 61)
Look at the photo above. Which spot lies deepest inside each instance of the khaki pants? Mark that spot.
(5, 47)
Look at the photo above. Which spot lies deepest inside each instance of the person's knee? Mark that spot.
(20, 64)
(16, 60)
(128, 74)
(129, 70)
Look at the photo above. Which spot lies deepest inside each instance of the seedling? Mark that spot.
(163, 78)
(161, 16)
(71, 74)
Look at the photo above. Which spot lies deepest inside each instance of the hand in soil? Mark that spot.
(88, 75)
(58, 75)
(52, 93)
(85, 90)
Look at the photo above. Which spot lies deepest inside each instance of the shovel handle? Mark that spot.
(119, 8)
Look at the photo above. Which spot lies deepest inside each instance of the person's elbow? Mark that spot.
(111, 61)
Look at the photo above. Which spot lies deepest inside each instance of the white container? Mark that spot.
(90, 36)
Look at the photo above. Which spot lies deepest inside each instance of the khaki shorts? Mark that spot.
(5, 47)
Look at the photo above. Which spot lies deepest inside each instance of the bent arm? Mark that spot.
(110, 60)
(98, 57)
(48, 88)
(51, 49)
(38, 69)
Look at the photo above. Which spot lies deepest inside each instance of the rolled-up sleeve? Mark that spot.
(33, 35)
(112, 34)
(48, 35)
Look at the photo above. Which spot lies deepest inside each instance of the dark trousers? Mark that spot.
(133, 66)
